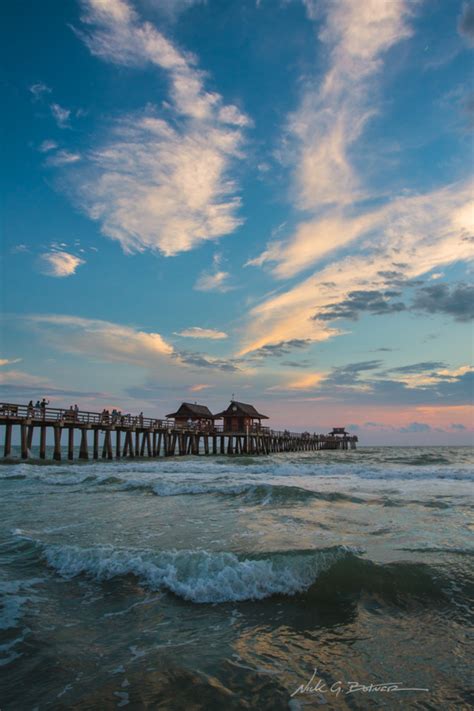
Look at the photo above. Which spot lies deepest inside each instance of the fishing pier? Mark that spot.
(115, 436)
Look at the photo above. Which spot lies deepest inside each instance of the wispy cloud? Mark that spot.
(117, 343)
(39, 89)
(172, 8)
(306, 382)
(415, 427)
(60, 115)
(466, 22)
(201, 360)
(47, 145)
(9, 361)
(20, 378)
(313, 240)
(323, 132)
(160, 184)
(198, 332)
(63, 158)
(59, 264)
(198, 388)
(429, 230)
(214, 279)
(103, 340)
(367, 382)
(334, 112)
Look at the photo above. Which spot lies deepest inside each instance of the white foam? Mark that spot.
(198, 576)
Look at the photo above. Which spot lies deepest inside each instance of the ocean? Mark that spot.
(336, 579)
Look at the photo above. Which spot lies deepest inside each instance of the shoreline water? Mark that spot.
(145, 583)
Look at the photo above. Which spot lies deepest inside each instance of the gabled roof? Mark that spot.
(193, 410)
(243, 409)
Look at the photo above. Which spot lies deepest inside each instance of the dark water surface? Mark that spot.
(222, 583)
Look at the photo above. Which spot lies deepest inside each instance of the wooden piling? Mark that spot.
(95, 446)
(8, 440)
(70, 443)
(107, 452)
(57, 443)
(128, 446)
(24, 441)
(84, 448)
(142, 446)
(43, 442)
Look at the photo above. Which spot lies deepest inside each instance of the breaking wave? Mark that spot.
(200, 576)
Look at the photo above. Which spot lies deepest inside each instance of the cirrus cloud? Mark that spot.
(158, 184)
(59, 264)
(198, 332)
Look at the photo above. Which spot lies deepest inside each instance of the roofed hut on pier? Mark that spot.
(192, 414)
(338, 432)
(240, 416)
(341, 433)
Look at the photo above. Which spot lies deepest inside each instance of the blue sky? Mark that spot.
(269, 198)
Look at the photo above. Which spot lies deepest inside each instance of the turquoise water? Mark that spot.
(222, 583)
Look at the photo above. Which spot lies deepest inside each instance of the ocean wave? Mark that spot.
(246, 493)
(200, 576)
(207, 577)
(323, 574)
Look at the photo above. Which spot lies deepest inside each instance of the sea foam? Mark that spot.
(200, 576)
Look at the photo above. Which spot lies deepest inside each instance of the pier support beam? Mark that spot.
(8, 440)
(107, 447)
(84, 448)
(118, 445)
(70, 443)
(95, 446)
(128, 446)
(24, 442)
(57, 443)
(43, 442)
(31, 430)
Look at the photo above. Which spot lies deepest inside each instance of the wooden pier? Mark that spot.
(126, 436)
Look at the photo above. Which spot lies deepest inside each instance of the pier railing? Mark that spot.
(71, 416)
(80, 417)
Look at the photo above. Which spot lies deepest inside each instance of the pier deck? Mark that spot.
(114, 437)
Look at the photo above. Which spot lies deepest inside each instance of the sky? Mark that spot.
(270, 200)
